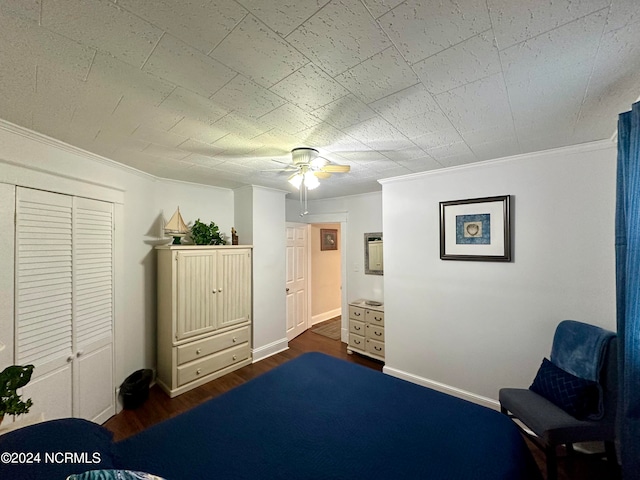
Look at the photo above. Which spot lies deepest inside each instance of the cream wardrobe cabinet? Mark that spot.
(204, 314)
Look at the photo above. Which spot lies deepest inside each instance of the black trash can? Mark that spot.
(135, 388)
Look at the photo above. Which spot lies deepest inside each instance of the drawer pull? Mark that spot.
(379, 334)
(234, 340)
(357, 314)
(377, 319)
(355, 327)
(234, 357)
(198, 351)
(357, 342)
(377, 348)
(198, 372)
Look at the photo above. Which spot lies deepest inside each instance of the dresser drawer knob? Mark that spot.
(198, 372)
(357, 314)
(379, 334)
(356, 327)
(234, 340)
(234, 357)
(378, 319)
(198, 351)
(357, 342)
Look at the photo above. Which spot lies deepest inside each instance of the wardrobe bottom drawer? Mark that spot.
(200, 368)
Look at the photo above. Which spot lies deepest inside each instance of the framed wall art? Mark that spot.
(328, 239)
(476, 229)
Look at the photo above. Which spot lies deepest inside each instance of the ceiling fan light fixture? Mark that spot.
(318, 163)
(310, 180)
(296, 180)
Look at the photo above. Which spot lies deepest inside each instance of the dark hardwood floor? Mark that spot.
(160, 407)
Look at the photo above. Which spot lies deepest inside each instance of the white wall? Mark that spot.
(326, 277)
(363, 214)
(263, 215)
(32, 160)
(470, 328)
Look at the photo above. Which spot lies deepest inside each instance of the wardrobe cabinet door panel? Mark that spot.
(234, 287)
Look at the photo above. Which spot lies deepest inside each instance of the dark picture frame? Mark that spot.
(328, 239)
(477, 229)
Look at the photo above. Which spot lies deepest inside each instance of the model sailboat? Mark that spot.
(176, 227)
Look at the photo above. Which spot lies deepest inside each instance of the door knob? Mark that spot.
(287, 289)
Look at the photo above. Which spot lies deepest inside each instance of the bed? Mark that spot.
(314, 417)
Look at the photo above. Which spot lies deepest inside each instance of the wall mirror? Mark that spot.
(373, 253)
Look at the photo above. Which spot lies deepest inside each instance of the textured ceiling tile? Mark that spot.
(514, 22)
(339, 36)
(113, 76)
(380, 7)
(122, 143)
(203, 132)
(439, 138)
(246, 97)
(192, 105)
(258, 53)
(244, 126)
(453, 154)
(133, 112)
(202, 159)
(283, 16)
(534, 141)
(405, 154)
(199, 149)
(405, 104)
(378, 134)
(17, 85)
(421, 164)
(383, 74)
(622, 13)
(102, 25)
(363, 158)
(237, 145)
(420, 29)
(159, 137)
(24, 9)
(57, 95)
(324, 135)
(618, 63)
(309, 88)
(165, 152)
(29, 43)
(290, 119)
(201, 24)
(463, 63)
(497, 149)
(477, 105)
(423, 123)
(345, 112)
(276, 142)
(571, 47)
(183, 65)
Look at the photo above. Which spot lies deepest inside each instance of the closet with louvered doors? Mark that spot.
(64, 303)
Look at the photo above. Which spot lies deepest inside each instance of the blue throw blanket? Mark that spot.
(579, 348)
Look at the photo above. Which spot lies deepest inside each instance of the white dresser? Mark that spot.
(366, 329)
(204, 314)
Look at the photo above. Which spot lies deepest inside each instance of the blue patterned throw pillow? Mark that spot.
(576, 396)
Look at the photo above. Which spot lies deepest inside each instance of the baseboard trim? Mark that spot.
(272, 348)
(443, 388)
(321, 317)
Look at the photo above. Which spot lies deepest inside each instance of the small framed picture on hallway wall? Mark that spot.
(328, 239)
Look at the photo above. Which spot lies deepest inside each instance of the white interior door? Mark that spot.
(297, 279)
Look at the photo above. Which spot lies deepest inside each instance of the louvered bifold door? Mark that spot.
(43, 303)
(93, 309)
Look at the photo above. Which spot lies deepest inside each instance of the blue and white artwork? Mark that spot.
(473, 229)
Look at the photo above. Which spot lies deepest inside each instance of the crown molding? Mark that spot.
(571, 149)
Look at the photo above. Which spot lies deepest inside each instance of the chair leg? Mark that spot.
(552, 462)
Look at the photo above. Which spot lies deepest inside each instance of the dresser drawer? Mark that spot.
(356, 327)
(200, 368)
(202, 348)
(357, 313)
(374, 317)
(376, 348)
(356, 341)
(375, 332)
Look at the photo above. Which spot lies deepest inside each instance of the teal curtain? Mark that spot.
(628, 290)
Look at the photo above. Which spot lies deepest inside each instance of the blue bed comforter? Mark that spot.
(315, 417)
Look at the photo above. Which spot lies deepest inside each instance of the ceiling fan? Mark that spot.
(308, 168)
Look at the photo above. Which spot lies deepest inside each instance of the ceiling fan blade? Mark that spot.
(335, 168)
(322, 175)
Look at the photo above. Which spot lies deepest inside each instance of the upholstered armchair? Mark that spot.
(573, 398)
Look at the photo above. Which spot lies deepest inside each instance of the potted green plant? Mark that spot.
(11, 379)
(203, 234)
